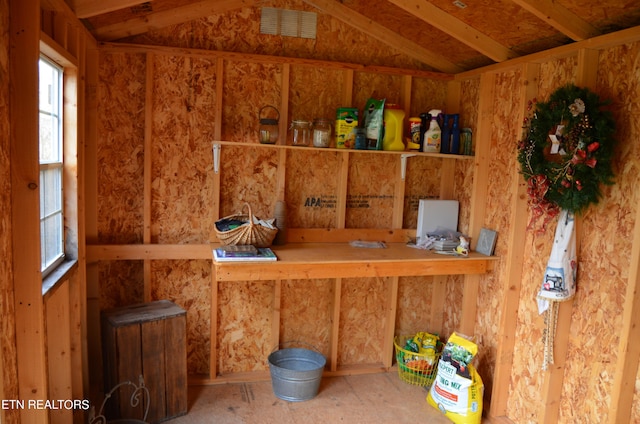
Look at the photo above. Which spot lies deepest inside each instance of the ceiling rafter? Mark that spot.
(383, 34)
(456, 28)
(174, 16)
(88, 8)
(560, 18)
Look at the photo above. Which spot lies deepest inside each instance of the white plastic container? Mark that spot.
(433, 135)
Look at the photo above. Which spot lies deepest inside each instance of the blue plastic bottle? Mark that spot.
(445, 142)
(455, 134)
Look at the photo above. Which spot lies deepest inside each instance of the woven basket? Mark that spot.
(254, 234)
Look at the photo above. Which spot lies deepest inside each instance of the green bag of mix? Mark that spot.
(457, 390)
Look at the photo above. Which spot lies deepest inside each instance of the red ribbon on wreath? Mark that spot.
(537, 188)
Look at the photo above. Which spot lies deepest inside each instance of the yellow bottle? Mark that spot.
(393, 128)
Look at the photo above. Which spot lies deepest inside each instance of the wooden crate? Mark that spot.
(146, 340)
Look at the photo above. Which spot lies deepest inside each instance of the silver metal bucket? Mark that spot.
(296, 373)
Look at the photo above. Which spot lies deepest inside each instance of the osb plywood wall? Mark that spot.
(178, 93)
(239, 31)
(528, 376)
(8, 374)
(604, 234)
(502, 171)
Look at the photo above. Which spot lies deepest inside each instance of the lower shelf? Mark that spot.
(341, 260)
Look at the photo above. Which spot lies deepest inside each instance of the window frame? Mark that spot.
(57, 163)
(71, 130)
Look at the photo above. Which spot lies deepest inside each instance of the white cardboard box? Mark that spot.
(434, 214)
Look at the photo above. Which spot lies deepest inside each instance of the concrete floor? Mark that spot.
(372, 398)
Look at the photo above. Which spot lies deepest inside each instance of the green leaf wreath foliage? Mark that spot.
(570, 179)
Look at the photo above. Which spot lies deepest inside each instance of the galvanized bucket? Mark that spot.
(296, 373)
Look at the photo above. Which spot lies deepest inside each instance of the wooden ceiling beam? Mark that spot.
(560, 18)
(384, 35)
(457, 29)
(156, 20)
(88, 8)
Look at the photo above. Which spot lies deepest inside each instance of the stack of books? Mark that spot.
(445, 244)
(246, 253)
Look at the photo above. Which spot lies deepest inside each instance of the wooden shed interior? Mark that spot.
(162, 104)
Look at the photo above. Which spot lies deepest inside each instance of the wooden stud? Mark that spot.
(218, 136)
(335, 324)
(148, 142)
(397, 216)
(478, 197)
(341, 204)
(90, 195)
(447, 177)
(347, 97)
(277, 307)
(624, 380)
(29, 314)
(284, 104)
(447, 171)
(58, 347)
(213, 336)
(553, 382)
(390, 322)
(80, 353)
(436, 309)
(283, 128)
(77, 344)
(513, 263)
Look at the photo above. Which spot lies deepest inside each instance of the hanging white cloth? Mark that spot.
(559, 282)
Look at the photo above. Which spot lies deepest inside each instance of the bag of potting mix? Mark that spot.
(457, 390)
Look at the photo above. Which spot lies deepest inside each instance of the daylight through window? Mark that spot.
(51, 165)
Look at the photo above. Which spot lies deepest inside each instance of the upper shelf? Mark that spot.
(341, 260)
(333, 149)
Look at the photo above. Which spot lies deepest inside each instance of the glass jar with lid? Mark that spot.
(321, 132)
(300, 133)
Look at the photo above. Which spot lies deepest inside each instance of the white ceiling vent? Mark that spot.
(290, 23)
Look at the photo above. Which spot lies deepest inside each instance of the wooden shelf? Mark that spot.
(340, 260)
(333, 149)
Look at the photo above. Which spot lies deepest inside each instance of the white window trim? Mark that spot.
(53, 51)
(59, 112)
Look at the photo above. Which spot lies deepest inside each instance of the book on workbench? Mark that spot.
(259, 254)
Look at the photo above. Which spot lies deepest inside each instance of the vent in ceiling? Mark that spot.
(290, 23)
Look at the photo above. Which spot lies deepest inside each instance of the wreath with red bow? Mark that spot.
(566, 151)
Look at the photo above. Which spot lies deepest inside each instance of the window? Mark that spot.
(51, 165)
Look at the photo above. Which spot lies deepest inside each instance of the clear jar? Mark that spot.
(321, 132)
(300, 133)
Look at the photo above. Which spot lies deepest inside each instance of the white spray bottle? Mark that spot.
(433, 134)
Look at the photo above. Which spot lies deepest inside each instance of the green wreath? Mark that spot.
(566, 152)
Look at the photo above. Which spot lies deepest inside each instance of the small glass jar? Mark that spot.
(321, 132)
(300, 133)
(268, 131)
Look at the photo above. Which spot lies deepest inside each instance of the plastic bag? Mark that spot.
(559, 281)
(374, 123)
(458, 389)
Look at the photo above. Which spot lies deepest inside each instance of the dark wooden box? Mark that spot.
(147, 340)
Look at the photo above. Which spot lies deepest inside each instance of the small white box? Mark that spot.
(434, 214)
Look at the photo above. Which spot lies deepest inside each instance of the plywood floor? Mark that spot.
(372, 398)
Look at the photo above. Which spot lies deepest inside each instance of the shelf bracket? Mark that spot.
(216, 157)
(403, 163)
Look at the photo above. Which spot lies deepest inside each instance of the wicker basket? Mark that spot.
(254, 234)
(418, 370)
